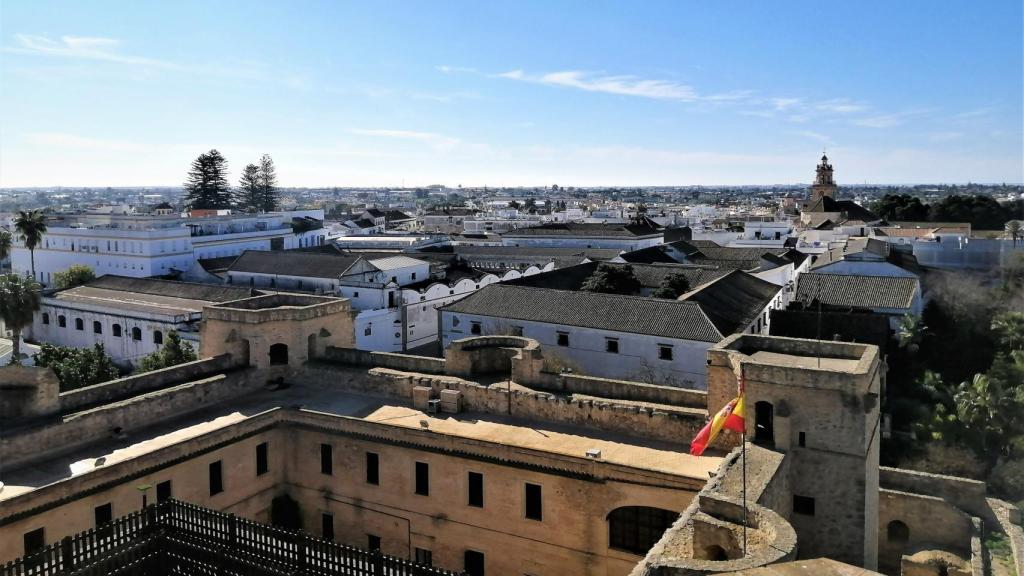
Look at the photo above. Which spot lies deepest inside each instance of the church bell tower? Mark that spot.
(823, 185)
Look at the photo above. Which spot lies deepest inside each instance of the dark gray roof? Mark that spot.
(397, 215)
(633, 314)
(452, 212)
(172, 288)
(707, 252)
(630, 230)
(375, 212)
(733, 301)
(850, 209)
(649, 275)
(857, 291)
(649, 255)
(293, 263)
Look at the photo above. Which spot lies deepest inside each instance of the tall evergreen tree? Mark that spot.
(268, 184)
(250, 193)
(207, 185)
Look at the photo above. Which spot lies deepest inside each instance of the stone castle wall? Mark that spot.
(122, 388)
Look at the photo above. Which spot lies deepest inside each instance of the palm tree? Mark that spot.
(19, 300)
(5, 245)
(1013, 228)
(910, 333)
(31, 225)
(1010, 328)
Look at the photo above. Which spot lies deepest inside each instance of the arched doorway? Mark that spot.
(278, 354)
(636, 529)
(311, 347)
(897, 532)
(764, 424)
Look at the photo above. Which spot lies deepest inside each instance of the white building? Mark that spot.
(155, 245)
(129, 316)
(656, 340)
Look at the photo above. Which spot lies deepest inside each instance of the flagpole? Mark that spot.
(743, 439)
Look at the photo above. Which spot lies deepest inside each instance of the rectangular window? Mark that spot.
(473, 562)
(373, 542)
(803, 505)
(533, 502)
(476, 489)
(327, 526)
(424, 557)
(262, 466)
(563, 339)
(611, 345)
(103, 514)
(216, 480)
(422, 479)
(664, 352)
(803, 439)
(34, 541)
(326, 459)
(517, 330)
(163, 490)
(474, 328)
(372, 469)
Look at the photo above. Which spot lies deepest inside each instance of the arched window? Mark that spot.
(62, 321)
(897, 532)
(79, 324)
(46, 318)
(158, 337)
(278, 354)
(636, 528)
(137, 334)
(116, 330)
(97, 328)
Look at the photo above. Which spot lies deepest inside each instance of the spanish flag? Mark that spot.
(731, 417)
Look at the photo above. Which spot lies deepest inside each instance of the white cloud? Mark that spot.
(65, 140)
(814, 136)
(455, 69)
(435, 140)
(83, 48)
(841, 106)
(623, 85)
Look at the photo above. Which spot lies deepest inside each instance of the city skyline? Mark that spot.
(512, 95)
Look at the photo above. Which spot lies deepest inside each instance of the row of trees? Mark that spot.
(982, 212)
(621, 279)
(207, 185)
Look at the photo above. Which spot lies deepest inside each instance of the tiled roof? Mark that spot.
(709, 253)
(649, 255)
(850, 209)
(633, 314)
(585, 229)
(649, 275)
(857, 291)
(393, 262)
(293, 263)
(172, 288)
(734, 301)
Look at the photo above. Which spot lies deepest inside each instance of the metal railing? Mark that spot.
(175, 537)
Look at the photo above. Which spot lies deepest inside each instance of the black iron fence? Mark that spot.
(178, 538)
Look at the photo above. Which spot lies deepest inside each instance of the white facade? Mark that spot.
(406, 318)
(143, 246)
(126, 336)
(639, 357)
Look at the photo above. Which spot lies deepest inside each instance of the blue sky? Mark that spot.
(512, 93)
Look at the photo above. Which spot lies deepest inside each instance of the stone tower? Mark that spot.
(816, 402)
(823, 185)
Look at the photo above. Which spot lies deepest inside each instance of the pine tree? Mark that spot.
(207, 185)
(250, 195)
(268, 184)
